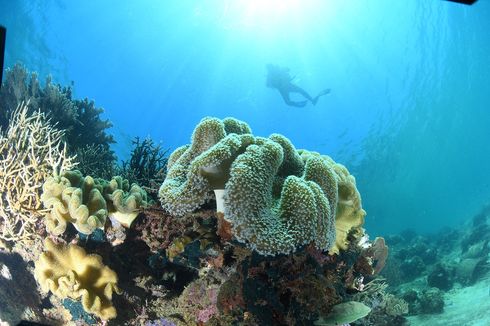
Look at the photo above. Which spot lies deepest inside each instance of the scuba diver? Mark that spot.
(280, 79)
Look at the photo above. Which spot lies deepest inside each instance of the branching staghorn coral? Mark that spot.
(80, 119)
(31, 150)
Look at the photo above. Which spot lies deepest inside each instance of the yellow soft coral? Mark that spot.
(350, 215)
(69, 272)
(86, 202)
(124, 202)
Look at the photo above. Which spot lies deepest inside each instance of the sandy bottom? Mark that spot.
(469, 306)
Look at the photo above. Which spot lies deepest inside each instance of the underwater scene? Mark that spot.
(245, 162)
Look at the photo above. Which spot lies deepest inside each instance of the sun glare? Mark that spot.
(266, 16)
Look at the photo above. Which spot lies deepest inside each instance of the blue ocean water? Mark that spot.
(408, 113)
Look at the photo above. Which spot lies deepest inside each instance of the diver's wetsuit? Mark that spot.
(279, 78)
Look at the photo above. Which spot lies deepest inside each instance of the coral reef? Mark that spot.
(287, 290)
(124, 202)
(160, 322)
(193, 175)
(197, 278)
(86, 202)
(198, 301)
(77, 311)
(411, 258)
(349, 216)
(275, 197)
(89, 129)
(432, 271)
(159, 230)
(31, 151)
(299, 213)
(69, 272)
(263, 253)
(444, 258)
(218, 283)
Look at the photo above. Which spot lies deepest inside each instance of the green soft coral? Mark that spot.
(271, 222)
(275, 197)
(197, 169)
(349, 215)
(235, 126)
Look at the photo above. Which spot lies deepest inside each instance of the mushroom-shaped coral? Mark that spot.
(72, 198)
(69, 272)
(275, 197)
(273, 216)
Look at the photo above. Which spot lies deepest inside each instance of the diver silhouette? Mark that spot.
(280, 79)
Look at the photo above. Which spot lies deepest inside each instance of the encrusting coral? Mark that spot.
(276, 198)
(69, 272)
(31, 151)
(87, 202)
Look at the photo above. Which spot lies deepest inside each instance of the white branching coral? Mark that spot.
(31, 150)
